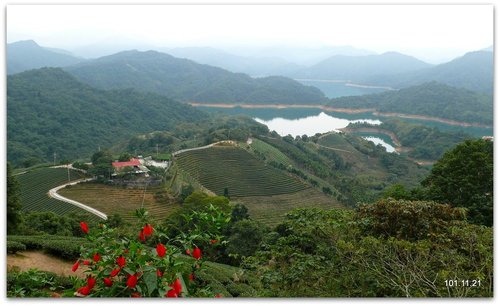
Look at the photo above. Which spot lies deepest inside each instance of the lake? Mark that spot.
(341, 88)
(309, 121)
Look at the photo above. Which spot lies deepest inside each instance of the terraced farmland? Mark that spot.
(124, 201)
(270, 210)
(244, 175)
(270, 152)
(35, 184)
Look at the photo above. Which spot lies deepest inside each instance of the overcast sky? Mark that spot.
(430, 32)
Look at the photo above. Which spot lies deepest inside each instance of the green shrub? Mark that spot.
(14, 247)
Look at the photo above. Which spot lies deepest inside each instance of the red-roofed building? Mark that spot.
(134, 162)
(132, 166)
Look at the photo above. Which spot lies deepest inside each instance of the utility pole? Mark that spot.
(69, 178)
(55, 158)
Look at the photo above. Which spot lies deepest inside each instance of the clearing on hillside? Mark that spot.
(121, 200)
(221, 167)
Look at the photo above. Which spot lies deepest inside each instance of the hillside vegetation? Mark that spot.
(186, 80)
(35, 184)
(49, 111)
(221, 167)
(429, 99)
(122, 201)
(357, 68)
(473, 71)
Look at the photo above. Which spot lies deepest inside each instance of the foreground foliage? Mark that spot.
(390, 248)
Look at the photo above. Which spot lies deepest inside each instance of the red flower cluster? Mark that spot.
(176, 289)
(85, 290)
(146, 232)
(121, 261)
(132, 280)
(196, 253)
(161, 250)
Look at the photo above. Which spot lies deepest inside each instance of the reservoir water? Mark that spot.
(309, 121)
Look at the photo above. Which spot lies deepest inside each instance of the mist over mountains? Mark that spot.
(473, 71)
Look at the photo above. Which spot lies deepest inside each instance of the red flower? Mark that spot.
(114, 272)
(142, 237)
(97, 257)
(84, 226)
(132, 281)
(192, 277)
(148, 230)
(188, 251)
(197, 253)
(177, 286)
(135, 294)
(159, 273)
(86, 262)
(214, 241)
(108, 282)
(218, 295)
(121, 261)
(161, 250)
(85, 290)
(171, 294)
(76, 265)
(91, 282)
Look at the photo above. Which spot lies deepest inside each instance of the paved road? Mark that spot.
(53, 194)
(204, 147)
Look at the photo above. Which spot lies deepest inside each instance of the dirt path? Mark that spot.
(41, 261)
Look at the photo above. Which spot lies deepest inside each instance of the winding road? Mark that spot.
(53, 194)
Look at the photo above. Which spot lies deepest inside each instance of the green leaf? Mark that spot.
(151, 280)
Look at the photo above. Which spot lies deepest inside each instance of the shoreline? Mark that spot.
(373, 111)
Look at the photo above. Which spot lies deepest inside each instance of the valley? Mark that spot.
(195, 172)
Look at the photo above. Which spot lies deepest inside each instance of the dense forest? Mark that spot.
(473, 71)
(421, 142)
(430, 99)
(49, 112)
(186, 80)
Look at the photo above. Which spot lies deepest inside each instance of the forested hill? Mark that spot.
(429, 99)
(27, 54)
(473, 71)
(186, 80)
(358, 68)
(49, 111)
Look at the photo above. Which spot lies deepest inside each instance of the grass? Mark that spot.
(35, 184)
(121, 200)
(222, 167)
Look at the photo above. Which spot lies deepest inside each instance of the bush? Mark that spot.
(35, 283)
(14, 247)
(61, 246)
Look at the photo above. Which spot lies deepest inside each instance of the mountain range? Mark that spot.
(27, 54)
(472, 71)
(185, 80)
(355, 68)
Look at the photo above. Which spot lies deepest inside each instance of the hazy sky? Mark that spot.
(430, 32)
